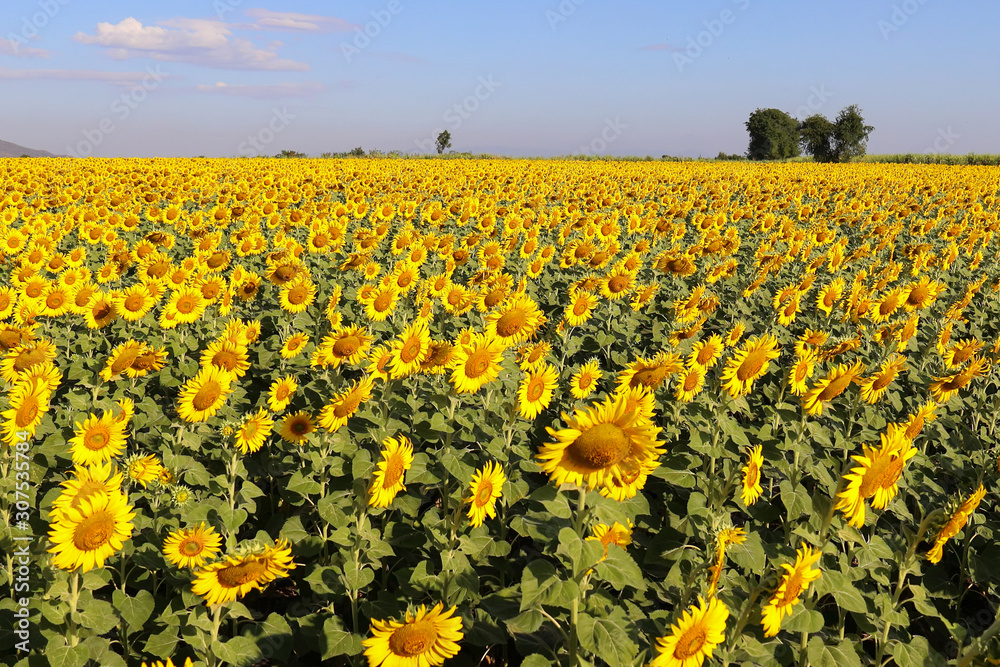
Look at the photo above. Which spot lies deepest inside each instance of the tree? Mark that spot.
(774, 135)
(816, 137)
(443, 141)
(850, 136)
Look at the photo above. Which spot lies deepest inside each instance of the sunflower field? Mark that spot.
(414, 412)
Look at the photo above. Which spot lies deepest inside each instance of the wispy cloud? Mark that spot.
(9, 47)
(205, 42)
(114, 78)
(265, 19)
(394, 56)
(267, 91)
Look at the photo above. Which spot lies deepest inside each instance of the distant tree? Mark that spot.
(25, 155)
(850, 136)
(774, 135)
(443, 142)
(291, 154)
(357, 152)
(816, 137)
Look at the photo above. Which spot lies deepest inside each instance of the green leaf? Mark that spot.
(237, 651)
(833, 655)
(99, 616)
(579, 554)
(803, 620)
(916, 653)
(843, 590)
(619, 570)
(536, 581)
(273, 637)
(338, 640)
(135, 610)
(161, 644)
(67, 656)
(356, 577)
(608, 638)
(536, 660)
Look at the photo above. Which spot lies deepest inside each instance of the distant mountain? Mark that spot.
(8, 149)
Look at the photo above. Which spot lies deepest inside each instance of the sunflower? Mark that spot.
(296, 296)
(794, 582)
(735, 334)
(650, 373)
(919, 295)
(873, 388)
(87, 535)
(203, 395)
(958, 353)
(379, 358)
(877, 475)
(614, 534)
(343, 406)
(185, 306)
(955, 523)
(487, 488)
(294, 345)
(410, 349)
(829, 295)
(231, 357)
(516, 321)
(424, 639)
(193, 547)
(143, 469)
(86, 481)
(830, 387)
(801, 371)
(98, 440)
(535, 391)
(29, 401)
(532, 357)
(694, 637)
(295, 428)
(251, 435)
(752, 477)
(133, 359)
(281, 392)
(382, 303)
(691, 383)
(237, 575)
(476, 363)
(19, 360)
(706, 353)
(601, 442)
(397, 457)
(915, 422)
(943, 388)
(347, 345)
(748, 364)
(168, 663)
(584, 381)
(134, 302)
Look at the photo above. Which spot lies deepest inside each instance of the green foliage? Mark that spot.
(817, 138)
(443, 142)
(774, 135)
(850, 134)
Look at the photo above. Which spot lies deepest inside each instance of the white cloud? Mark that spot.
(268, 20)
(267, 91)
(114, 78)
(10, 47)
(204, 42)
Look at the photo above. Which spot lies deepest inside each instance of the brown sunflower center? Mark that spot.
(299, 427)
(512, 322)
(55, 300)
(192, 546)
(207, 395)
(691, 642)
(346, 346)
(753, 475)
(793, 587)
(382, 302)
(393, 471)
(97, 438)
(348, 405)
(649, 377)
(600, 446)
(413, 639)
(186, 305)
(411, 350)
(705, 355)
(752, 365)
(238, 575)
(226, 359)
(297, 295)
(835, 388)
(134, 303)
(485, 493)
(883, 473)
(580, 307)
(618, 284)
(535, 389)
(95, 531)
(494, 297)
(27, 412)
(477, 363)
(691, 381)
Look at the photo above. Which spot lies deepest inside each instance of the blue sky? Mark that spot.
(231, 77)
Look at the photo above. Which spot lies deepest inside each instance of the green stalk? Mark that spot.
(74, 596)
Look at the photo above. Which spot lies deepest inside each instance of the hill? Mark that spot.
(7, 149)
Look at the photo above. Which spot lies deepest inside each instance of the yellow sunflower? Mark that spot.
(580, 308)
(487, 488)
(410, 349)
(614, 534)
(877, 475)
(585, 380)
(873, 388)
(87, 535)
(955, 523)
(706, 353)
(752, 477)
(281, 393)
(601, 442)
(794, 582)
(203, 395)
(535, 391)
(516, 321)
(251, 435)
(193, 547)
(294, 345)
(295, 428)
(86, 481)
(748, 364)
(476, 363)
(424, 639)
(691, 383)
(650, 373)
(830, 387)
(694, 637)
(237, 575)
(397, 457)
(336, 413)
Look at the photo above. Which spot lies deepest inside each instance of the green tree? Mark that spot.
(443, 141)
(850, 135)
(816, 136)
(774, 135)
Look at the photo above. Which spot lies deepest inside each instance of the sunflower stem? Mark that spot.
(216, 622)
(74, 596)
